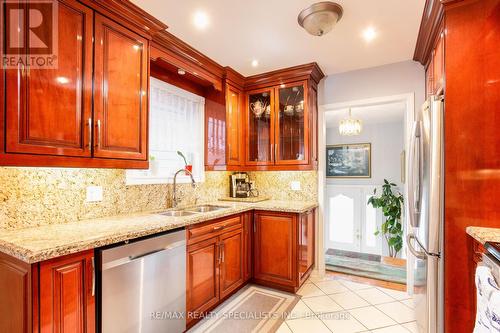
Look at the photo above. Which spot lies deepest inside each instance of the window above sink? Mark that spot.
(176, 123)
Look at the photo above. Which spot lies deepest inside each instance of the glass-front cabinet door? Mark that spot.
(260, 127)
(292, 126)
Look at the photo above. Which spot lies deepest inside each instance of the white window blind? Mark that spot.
(176, 123)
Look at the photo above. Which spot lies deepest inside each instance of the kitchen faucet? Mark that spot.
(193, 184)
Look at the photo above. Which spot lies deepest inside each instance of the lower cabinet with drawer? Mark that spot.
(217, 258)
(283, 249)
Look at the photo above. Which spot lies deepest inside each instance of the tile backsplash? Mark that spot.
(39, 196)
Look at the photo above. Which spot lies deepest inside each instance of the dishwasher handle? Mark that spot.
(129, 259)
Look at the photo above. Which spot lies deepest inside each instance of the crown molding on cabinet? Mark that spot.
(432, 18)
(127, 13)
(296, 73)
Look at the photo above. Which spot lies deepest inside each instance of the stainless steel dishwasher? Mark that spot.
(143, 285)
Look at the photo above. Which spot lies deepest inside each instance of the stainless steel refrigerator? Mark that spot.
(425, 215)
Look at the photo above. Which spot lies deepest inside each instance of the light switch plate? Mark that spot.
(94, 193)
(295, 185)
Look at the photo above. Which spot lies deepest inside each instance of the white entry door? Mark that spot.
(350, 224)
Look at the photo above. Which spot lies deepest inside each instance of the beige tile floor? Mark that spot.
(334, 305)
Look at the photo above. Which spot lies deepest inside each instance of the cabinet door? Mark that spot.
(275, 249)
(67, 301)
(292, 125)
(202, 276)
(48, 110)
(231, 262)
(121, 91)
(306, 243)
(260, 127)
(234, 125)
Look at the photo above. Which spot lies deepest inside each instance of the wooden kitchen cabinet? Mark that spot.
(278, 242)
(278, 125)
(291, 124)
(234, 126)
(202, 279)
(91, 109)
(48, 110)
(231, 261)
(275, 247)
(306, 244)
(56, 295)
(121, 89)
(216, 256)
(281, 121)
(67, 294)
(260, 127)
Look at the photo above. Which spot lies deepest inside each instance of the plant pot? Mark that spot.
(189, 168)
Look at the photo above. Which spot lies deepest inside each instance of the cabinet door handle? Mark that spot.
(89, 123)
(222, 252)
(98, 133)
(219, 259)
(93, 277)
(275, 152)
(272, 152)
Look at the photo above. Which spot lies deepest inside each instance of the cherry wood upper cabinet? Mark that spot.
(231, 262)
(67, 302)
(48, 110)
(292, 124)
(202, 276)
(234, 126)
(260, 127)
(121, 90)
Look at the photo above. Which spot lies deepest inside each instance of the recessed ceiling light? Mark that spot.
(200, 20)
(180, 71)
(255, 63)
(369, 34)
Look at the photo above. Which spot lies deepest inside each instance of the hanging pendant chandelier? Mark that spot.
(350, 126)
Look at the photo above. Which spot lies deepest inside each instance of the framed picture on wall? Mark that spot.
(349, 161)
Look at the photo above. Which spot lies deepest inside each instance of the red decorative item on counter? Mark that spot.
(189, 168)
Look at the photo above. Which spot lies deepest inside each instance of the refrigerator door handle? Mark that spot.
(414, 184)
(418, 254)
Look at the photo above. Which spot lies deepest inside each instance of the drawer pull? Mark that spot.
(220, 227)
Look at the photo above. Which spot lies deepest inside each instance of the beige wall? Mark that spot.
(38, 196)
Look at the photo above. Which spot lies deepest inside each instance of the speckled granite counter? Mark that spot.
(484, 235)
(45, 242)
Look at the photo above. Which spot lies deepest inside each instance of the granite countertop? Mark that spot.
(484, 235)
(36, 244)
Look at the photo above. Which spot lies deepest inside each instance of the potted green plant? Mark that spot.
(391, 203)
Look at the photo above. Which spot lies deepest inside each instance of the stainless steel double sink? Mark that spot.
(193, 210)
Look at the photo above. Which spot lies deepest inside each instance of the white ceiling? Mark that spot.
(267, 30)
(373, 114)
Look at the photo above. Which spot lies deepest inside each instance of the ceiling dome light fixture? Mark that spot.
(350, 126)
(320, 18)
